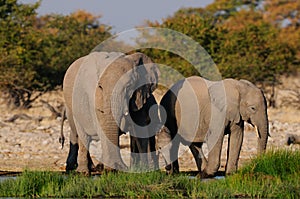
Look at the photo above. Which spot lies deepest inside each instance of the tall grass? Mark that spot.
(277, 163)
(275, 174)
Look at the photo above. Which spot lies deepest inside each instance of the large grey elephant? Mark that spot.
(102, 91)
(198, 110)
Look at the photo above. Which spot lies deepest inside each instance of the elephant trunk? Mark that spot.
(110, 146)
(262, 139)
(110, 140)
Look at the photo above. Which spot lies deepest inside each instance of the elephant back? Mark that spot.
(187, 104)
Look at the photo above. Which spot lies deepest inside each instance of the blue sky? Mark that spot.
(120, 14)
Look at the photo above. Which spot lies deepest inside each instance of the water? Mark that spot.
(220, 177)
(3, 178)
(215, 178)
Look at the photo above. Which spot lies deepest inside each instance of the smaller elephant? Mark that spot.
(198, 111)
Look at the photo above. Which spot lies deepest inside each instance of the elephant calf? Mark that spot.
(198, 110)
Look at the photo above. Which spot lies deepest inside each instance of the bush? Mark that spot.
(36, 51)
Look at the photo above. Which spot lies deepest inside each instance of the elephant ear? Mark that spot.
(247, 83)
(229, 100)
(217, 95)
(147, 74)
(152, 72)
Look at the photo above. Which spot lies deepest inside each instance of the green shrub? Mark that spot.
(35, 51)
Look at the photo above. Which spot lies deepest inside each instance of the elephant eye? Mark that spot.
(253, 108)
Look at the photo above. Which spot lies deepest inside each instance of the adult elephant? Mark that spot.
(101, 91)
(198, 110)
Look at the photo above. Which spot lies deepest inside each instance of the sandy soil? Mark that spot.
(33, 143)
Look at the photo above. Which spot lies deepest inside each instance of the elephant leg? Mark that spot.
(174, 166)
(139, 152)
(169, 153)
(72, 157)
(134, 151)
(152, 149)
(198, 155)
(214, 156)
(111, 154)
(91, 165)
(143, 152)
(234, 147)
(84, 159)
(73, 151)
(168, 147)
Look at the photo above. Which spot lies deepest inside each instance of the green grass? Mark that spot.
(275, 174)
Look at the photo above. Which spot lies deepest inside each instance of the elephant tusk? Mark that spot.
(257, 133)
(126, 113)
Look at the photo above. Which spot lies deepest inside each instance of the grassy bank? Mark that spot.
(273, 175)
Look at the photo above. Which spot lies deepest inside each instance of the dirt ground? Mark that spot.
(32, 142)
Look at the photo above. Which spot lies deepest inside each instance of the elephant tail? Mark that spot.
(62, 137)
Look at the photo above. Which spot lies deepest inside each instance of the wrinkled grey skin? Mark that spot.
(111, 107)
(244, 102)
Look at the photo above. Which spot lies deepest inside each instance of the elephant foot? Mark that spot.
(121, 167)
(205, 175)
(98, 168)
(170, 169)
(72, 158)
(71, 167)
(83, 171)
(231, 172)
(169, 172)
(109, 170)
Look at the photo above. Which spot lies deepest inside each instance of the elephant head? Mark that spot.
(148, 74)
(246, 102)
(127, 83)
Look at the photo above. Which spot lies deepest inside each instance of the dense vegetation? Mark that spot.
(256, 40)
(35, 51)
(246, 39)
(273, 175)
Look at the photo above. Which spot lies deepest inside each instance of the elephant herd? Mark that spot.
(109, 94)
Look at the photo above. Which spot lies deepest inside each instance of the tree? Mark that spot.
(65, 43)
(199, 25)
(285, 15)
(36, 51)
(16, 32)
(240, 40)
(252, 50)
